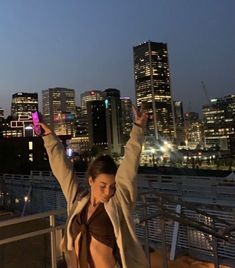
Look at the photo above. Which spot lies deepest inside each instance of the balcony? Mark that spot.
(31, 241)
(181, 215)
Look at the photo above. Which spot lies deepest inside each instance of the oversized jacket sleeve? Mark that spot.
(126, 184)
(61, 166)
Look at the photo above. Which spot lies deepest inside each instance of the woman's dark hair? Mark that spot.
(103, 164)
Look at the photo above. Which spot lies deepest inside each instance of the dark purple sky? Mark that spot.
(88, 45)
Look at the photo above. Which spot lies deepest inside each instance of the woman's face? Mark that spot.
(103, 187)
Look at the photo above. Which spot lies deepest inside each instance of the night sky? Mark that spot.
(85, 45)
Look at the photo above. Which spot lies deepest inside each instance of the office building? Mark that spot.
(80, 123)
(82, 117)
(193, 130)
(81, 137)
(179, 122)
(126, 119)
(97, 126)
(113, 122)
(89, 96)
(58, 106)
(23, 104)
(152, 87)
(219, 122)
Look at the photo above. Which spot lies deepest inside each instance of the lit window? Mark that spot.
(31, 157)
(30, 145)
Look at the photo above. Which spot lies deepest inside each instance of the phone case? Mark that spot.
(36, 126)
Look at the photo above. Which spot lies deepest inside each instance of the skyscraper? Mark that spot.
(219, 121)
(126, 119)
(58, 106)
(193, 130)
(113, 115)
(179, 122)
(23, 104)
(97, 125)
(86, 97)
(89, 96)
(152, 87)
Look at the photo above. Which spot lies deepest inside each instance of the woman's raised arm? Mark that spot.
(60, 164)
(127, 171)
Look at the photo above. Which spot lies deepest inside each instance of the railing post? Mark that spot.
(175, 235)
(215, 248)
(53, 243)
(164, 249)
(146, 230)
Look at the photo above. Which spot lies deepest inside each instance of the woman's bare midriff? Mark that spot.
(100, 254)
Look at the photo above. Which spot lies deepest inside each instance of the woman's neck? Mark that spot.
(93, 202)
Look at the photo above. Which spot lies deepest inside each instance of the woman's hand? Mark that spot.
(46, 128)
(140, 116)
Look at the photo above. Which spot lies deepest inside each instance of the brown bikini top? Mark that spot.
(98, 225)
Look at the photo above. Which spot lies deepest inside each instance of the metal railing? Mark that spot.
(172, 208)
(213, 195)
(52, 228)
(164, 213)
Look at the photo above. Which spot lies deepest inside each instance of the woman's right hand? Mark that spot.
(46, 128)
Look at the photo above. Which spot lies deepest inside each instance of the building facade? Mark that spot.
(113, 119)
(126, 119)
(152, 87)
(87, 96)
(82, 116)
(23, 104)
(97, 126)
(179, 122)
(58, 106)
(193, 130)
(219, 122)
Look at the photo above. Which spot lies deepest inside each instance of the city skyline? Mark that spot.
(89, 46)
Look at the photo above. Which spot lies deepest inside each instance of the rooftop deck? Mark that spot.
(212, 195)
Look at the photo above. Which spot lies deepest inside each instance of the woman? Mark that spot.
(99, 232)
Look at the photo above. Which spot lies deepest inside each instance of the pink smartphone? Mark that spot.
(36, 126)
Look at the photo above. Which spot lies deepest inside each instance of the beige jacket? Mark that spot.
(119, 207)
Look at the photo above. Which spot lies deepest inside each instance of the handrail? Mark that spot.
(183, 203)
(161, 201)
(32, 217)
(51, 228)
(198, 197)
(30, 234)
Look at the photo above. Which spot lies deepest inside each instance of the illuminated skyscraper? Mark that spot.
(89, 96)
(113, 122)
(82, 119)
(58, 106)
(97, 125)
(102, 110)
(219, 121)
(179, 122)
(126, 119)
(23, 104)
(193, 130)
(152, 87)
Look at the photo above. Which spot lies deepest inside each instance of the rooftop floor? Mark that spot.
(180, 262)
